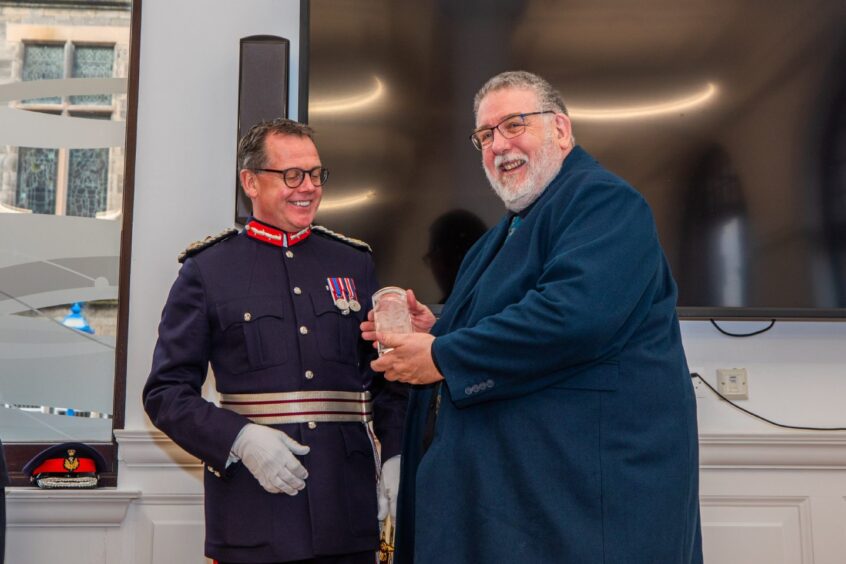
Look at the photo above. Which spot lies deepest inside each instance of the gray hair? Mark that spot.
(251, 154)
(548, 96)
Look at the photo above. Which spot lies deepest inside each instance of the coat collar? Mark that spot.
(269, 234)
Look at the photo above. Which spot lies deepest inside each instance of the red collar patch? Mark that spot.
(267, 234)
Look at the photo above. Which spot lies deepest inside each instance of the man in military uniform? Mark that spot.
(275, 309)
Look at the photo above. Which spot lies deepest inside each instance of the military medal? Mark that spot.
(336, 287)
(355, 305)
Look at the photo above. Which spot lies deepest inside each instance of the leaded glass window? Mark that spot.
(66, 181)
(43, 62)
(92, 62)
(37, 171)
(88, 178)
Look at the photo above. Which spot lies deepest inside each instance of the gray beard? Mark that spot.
(542, 170)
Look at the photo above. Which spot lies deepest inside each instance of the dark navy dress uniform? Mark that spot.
(258, 307)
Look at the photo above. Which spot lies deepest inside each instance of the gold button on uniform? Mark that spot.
(247, 316)
(303, 330)
(297, 290)
(309, 374)
(312, 425)
(289, 254)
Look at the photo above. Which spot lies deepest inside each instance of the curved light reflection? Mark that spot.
(353, 102)
(646, 110)
(348, 202)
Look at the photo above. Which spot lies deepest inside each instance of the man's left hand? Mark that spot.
(410, 361)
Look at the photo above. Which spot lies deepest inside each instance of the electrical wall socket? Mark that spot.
(733, 383)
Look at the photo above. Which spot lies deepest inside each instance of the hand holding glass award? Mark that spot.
(390, 312)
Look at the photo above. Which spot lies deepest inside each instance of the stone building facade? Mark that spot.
(64, 39)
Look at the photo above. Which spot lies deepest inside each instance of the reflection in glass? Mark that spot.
(773, 81)
(450, 237)
(715, 234)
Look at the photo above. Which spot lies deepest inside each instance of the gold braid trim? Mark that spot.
(357, 243)
(202, 244)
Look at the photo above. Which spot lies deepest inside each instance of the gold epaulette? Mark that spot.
(357, 243)
(198, 246)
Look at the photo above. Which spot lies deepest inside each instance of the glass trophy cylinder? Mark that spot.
(390, 312)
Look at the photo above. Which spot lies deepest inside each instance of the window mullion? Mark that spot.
(62, 181)
(64, 157)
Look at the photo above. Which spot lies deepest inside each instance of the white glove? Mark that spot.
(269, 456)
(389, 488)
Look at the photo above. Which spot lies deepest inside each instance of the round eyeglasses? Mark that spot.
(293, 177)
(510, 127)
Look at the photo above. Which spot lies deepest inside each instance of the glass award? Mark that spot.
(390, 311)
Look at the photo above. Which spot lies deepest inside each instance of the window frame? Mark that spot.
(19, 453)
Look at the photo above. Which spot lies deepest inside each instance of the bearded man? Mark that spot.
(553, 417)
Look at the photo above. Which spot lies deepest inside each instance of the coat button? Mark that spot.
(297, 290)
(247, 316)
(309, 374)
(303, 330)
(289, 254)
(312, 425)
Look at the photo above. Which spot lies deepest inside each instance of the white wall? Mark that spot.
(797, 373)
(186, 145)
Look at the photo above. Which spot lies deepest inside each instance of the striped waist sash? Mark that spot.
(301, 407)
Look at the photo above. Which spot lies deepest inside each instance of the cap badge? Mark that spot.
(71, 462)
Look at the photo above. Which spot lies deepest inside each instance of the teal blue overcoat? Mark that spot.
(566, 431)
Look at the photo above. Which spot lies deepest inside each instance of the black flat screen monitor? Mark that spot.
(729, 117)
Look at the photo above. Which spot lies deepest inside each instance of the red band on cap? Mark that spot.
(57, 466)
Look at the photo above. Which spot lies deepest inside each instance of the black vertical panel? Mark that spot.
(305, 42)
(262, 93)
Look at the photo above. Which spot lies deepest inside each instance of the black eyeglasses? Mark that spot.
(510, 127)
(293, 177)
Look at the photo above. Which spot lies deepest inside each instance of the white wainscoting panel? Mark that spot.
(743, 530)
(168, 519)
(67, 526)
(773, 498)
